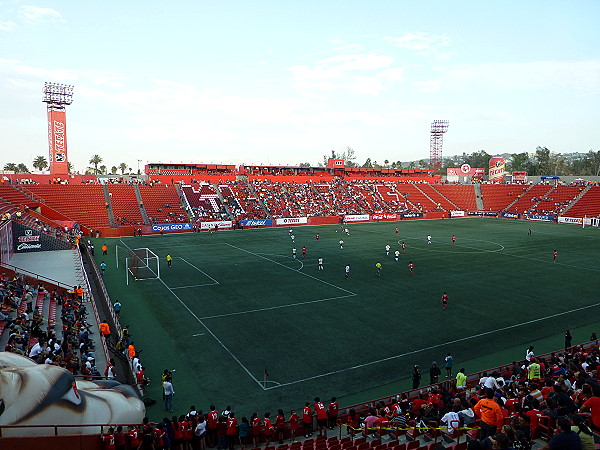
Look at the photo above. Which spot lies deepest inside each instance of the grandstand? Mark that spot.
(279, 199)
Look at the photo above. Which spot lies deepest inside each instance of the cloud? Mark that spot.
(7, 26)
(421, 41)
(36, 15)
(360, 73)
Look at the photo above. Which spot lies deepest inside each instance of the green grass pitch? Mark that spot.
(235, 303)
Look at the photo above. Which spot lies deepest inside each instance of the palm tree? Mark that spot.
(113, 170)
(102, 170)
(10, 166)
(122, 168)
(22, 168)
(40, 163)
(95, 160)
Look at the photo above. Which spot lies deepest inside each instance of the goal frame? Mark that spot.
(143, 255)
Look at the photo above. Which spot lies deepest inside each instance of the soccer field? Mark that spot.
(236, 303)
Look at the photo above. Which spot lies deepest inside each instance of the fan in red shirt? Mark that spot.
(307, 419)
(268, 429)
(255, 424)
(321, 417)
(134, 436)
(108, 439)
(177, 434)
(211, 426)
(232, 429)
(280, 424)
(383, 424)
(334, 407)
(294, 424)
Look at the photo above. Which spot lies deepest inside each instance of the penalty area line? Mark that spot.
(389, 358)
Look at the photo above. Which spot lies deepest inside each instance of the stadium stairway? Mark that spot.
(576, 199)
(478, 196)
(138, 197)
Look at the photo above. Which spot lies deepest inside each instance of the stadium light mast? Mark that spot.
(57, 97)
(438, 128)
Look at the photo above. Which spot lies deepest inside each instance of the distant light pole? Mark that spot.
(139, 161)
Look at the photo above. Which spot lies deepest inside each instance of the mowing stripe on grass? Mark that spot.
(389, 358)
(288, 268)
(209, 331)
(249, 311)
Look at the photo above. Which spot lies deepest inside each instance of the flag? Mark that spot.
(266, 373)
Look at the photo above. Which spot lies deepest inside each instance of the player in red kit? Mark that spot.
(211, 426)
(134, 436)
(453, 239)
(444, 300)
(396, 231)
(108, 439)
(321, 416)
(280, 425)
(304, 252)
(403, 247)
(317, 236)
(268, 429)
(555, 255)
(411, 266)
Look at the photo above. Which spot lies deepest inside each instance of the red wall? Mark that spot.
(83, 442)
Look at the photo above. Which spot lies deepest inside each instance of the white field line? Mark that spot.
(485, 333)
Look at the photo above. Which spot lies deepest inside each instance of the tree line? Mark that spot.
(542, 162)
(41, 163)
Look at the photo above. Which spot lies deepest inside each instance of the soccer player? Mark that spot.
(317, 236)
(444, 300)
(378, 268)
(403, 247)
(293, 238)
(304, 252)
(347, 271)
(396, 255)
(320, 263)
(342, 244)
(102, 268)
(555, 255)
(290, 230)
(294, 252)
(411, 266)
(169, 260)
(347, 231)
(429, 239)
(104, 249)
(453, 239)
(396, 231)
(387, 250)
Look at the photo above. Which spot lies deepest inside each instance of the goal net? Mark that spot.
(143, 264)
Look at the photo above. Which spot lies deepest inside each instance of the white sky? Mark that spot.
(284, 82)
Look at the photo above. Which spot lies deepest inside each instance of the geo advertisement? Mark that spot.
(171, 227)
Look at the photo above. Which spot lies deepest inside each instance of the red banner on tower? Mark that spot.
(497, 170)
(57, 141)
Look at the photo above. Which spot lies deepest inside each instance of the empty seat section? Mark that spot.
(497, 197)
(162, 203)
(437, 197)
(461, 195)
(530, 198)
(125, 205)
(588, 205)
(14, 196)
(412, 193)
(83, 203)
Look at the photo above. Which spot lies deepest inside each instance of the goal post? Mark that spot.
(142, 264)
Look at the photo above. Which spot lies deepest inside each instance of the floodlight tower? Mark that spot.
(438, 128)
(57, 97)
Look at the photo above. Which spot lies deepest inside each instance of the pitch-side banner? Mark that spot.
(57, 141)
(497, 171)
(356, 218)
(256, 222)
(384, 216)
(457, 214)
(539, 217)
(221, 224)
(291, 220)
(157, 227)
(575, 220)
